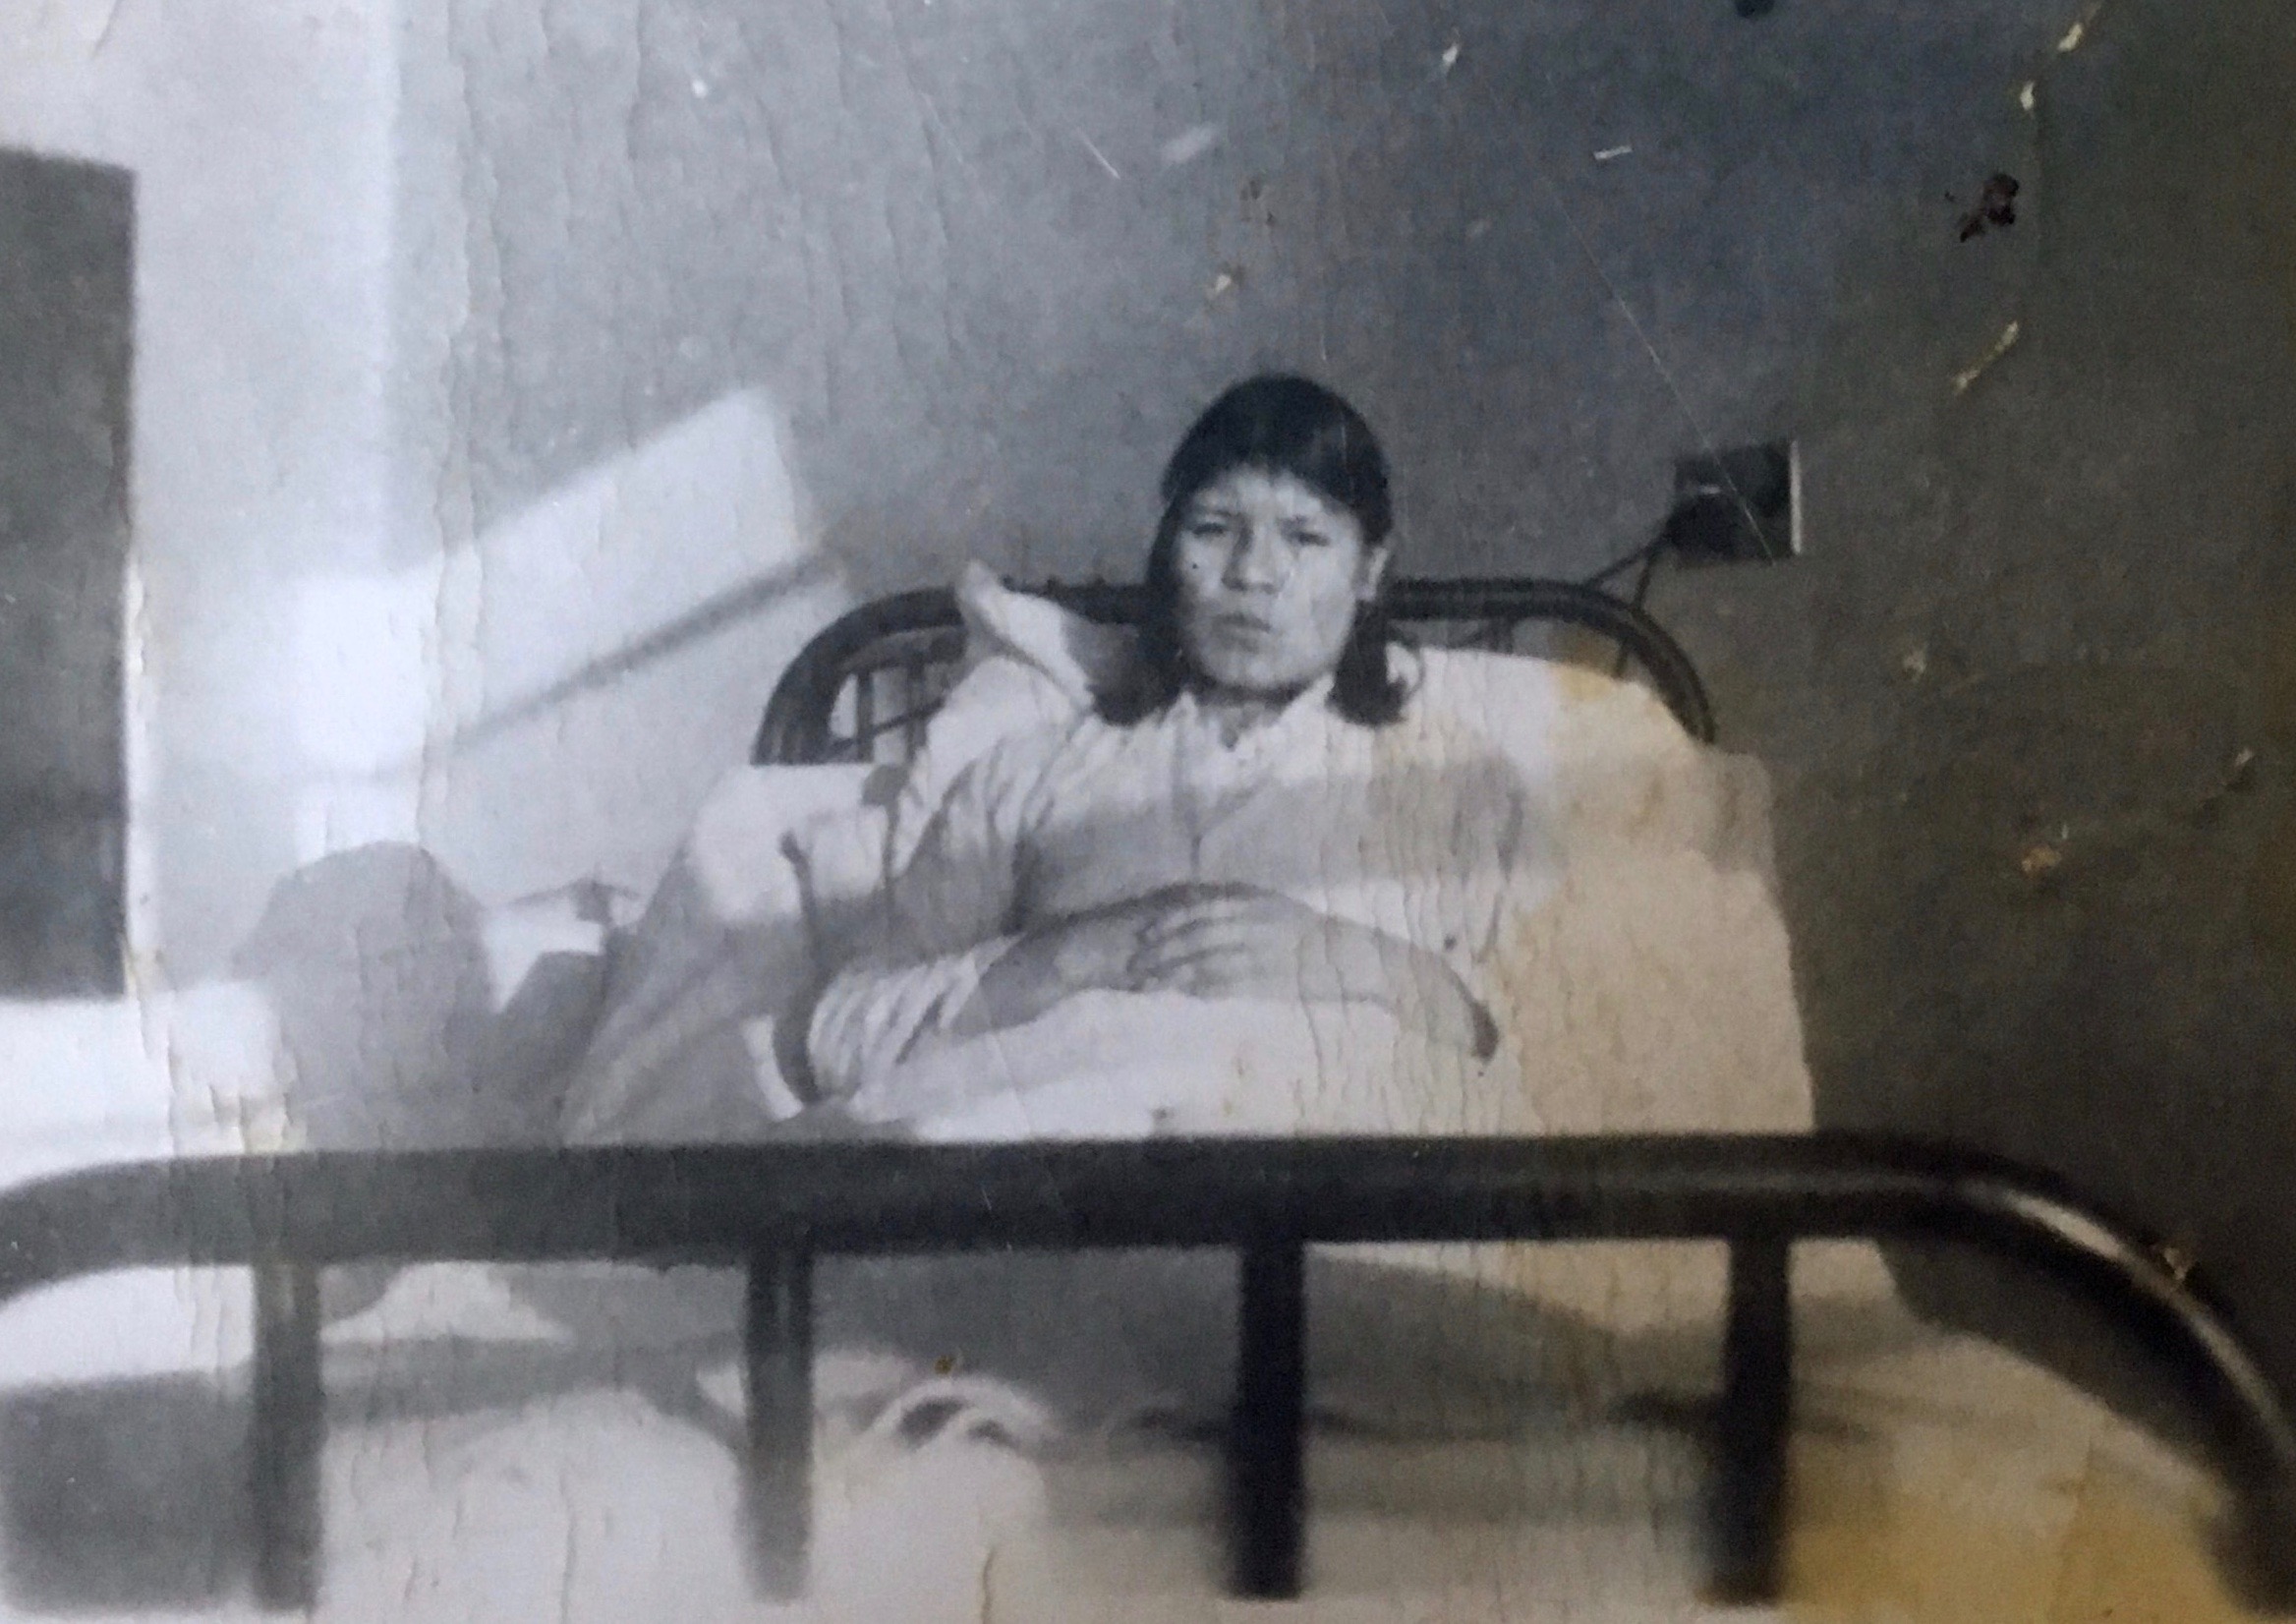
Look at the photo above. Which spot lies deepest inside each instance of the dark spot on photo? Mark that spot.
(1997, 205)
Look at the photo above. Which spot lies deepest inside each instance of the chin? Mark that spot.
(1252, 680)
(1256, 672)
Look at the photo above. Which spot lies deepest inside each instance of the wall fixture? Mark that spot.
(1742, 506)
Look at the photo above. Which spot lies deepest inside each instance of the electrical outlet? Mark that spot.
(1738, 506)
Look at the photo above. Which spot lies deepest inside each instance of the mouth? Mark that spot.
(1238, 623)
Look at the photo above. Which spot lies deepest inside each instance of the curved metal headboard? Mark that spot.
(796, 726)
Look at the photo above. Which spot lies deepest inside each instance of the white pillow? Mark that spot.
(1082, 656)
(1028, 664)
(1612, 765)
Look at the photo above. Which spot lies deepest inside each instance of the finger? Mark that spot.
(1204, 912)
(1186, 970)
(1229, 973)
(1194, 940)
(1190, 893)
(1210, 975)
(1194, 927)
(1232, 891)
(1209, 901)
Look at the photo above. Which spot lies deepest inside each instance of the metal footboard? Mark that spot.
(774, 1209)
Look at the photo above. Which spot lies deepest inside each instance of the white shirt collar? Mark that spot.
(1310, 701)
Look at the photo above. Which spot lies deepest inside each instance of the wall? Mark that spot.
(315, 635)
(2026, 702)
(258, 137)
(988, 257)
(992, 257)
(578, 657)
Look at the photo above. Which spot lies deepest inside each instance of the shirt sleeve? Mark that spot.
(945, 917)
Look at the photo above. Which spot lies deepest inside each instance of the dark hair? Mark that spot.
(1277, 425)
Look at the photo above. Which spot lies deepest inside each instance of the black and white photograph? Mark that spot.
(1048, 810)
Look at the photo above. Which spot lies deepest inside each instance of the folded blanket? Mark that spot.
(1110, 1064)
(1646, 993)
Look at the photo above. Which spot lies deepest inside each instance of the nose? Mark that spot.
(1255, 561)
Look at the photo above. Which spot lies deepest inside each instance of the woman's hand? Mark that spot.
(1241, 942)
(1097, 950)
(1224, 942)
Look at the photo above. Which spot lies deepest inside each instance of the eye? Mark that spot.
(1306, 535)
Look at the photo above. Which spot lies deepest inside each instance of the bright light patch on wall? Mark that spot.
(362, 661)
(605, 655)
(361, 665)
(634, 545)
(550, 703)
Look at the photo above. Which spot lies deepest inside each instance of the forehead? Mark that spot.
(1266, 492)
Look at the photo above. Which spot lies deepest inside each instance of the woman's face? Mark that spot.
(1271, 574)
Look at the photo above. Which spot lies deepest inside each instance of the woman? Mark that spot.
(1263, 816)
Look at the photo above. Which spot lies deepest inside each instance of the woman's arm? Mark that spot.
(1101, 948)
(944, 918)
(1421, 989)
(947, 963)
(1239, 941)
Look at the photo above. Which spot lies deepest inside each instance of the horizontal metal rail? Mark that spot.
(773, 1208)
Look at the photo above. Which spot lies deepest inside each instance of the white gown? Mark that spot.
(1421, 830)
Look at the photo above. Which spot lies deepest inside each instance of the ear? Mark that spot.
(1371, 572)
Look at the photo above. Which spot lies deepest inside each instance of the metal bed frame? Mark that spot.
(774, 1209)
(914, 637)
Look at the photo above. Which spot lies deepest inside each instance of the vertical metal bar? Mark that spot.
(1756, 1414)
(289, 1428)
(1641, 595)
(778, 1382)
(865, 713)
(913, 706)
(1267, 1433)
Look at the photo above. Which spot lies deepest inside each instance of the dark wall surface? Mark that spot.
(953, 241)
(65, 285)
(2029, 701)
